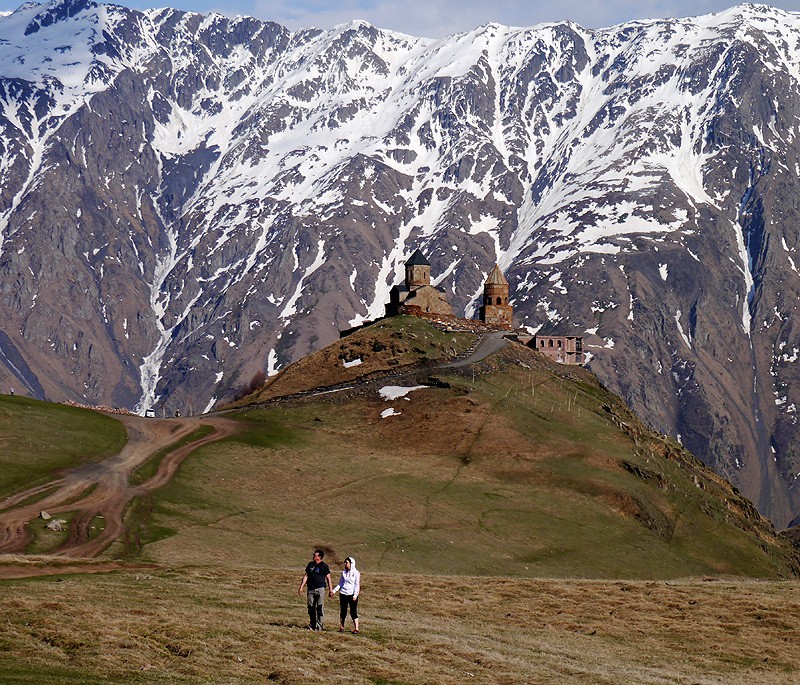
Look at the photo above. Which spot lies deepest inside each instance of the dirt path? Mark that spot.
(489, 344)
(102, 491)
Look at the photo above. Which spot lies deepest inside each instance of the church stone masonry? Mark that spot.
(417, 296)
(495, 309)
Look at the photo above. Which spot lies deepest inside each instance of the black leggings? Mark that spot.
(346, 601)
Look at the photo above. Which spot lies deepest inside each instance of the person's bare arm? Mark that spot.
(330, 584)
(302, 583)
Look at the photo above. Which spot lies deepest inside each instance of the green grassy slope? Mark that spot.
(514, 467)
(37, 438)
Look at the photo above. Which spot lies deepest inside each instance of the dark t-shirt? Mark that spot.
(316, 574)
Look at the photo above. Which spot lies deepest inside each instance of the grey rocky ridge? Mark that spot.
(186, 200)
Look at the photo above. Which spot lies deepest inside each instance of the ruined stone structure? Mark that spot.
(495, 309)
(564, 349)
(417, 293)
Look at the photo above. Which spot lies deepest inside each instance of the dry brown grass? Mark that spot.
(394, 344)
(247, 626)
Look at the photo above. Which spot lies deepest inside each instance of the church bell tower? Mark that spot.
(495, 309)
(418, 271)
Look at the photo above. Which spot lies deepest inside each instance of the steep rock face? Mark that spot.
(187, 199)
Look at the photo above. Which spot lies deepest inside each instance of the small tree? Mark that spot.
(258, 379)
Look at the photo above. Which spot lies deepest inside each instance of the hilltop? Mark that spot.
(390, 346)
(511, 465)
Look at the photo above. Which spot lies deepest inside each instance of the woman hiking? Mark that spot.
(349, 588)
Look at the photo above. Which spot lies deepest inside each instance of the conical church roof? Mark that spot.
(417, 259)
(496, 277)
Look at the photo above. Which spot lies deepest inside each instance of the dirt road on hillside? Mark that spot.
(488, 345)
(100, 492)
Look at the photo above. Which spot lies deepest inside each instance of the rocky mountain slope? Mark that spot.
(186, 200)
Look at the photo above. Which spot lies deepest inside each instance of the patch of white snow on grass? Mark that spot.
(393, 392)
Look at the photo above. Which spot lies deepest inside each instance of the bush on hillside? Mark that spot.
(258, 379)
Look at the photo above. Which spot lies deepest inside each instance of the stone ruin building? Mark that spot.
(417, 296)
(564, 349)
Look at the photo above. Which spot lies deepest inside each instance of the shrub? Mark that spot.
(258, 379)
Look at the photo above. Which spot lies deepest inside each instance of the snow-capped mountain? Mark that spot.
(188, 199)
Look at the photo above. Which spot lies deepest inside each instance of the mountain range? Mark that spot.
(187, 200)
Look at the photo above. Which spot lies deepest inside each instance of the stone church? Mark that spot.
(417, 291)
(417, 296)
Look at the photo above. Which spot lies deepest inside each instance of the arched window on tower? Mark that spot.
(499, 301)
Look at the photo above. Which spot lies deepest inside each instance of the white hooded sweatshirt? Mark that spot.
(350, 581)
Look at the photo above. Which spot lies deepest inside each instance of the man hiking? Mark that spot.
(318, 577)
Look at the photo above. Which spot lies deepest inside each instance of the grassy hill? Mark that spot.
(38, 438)
(513, 466)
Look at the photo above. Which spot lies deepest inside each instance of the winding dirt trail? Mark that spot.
(103, 489)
